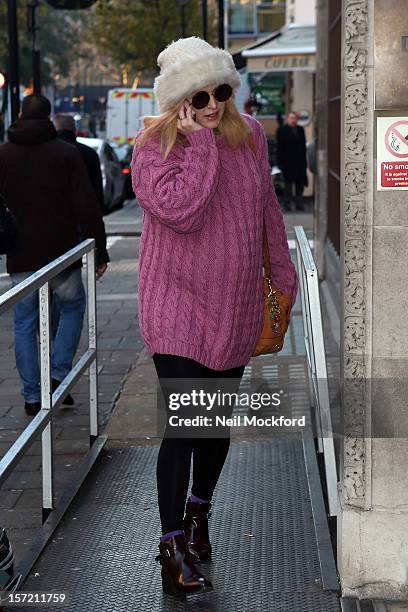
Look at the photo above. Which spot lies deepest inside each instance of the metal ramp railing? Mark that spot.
(43, 422)
(317, 370)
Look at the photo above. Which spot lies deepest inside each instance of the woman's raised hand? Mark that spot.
(186, 123)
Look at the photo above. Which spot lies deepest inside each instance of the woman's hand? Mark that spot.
(186, 123)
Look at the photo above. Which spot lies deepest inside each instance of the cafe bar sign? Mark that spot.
(282, 63)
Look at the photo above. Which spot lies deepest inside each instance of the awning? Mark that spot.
(293, 49)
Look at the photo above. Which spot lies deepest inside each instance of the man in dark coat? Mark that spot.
(45, 185)
(291, 154)
(66, 130)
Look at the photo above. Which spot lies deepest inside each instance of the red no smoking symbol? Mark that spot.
(395, 141)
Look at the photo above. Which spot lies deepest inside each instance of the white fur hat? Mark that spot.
(189, 64)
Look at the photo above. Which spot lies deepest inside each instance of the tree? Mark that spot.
(56, 36)
(133, 32)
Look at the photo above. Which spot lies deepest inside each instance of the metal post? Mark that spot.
(92, 339)
(221, 30)
(309, 346)
(13, 72)
(46, 399)
(323, 395)
(226, 25)
(204, 11)
(183, 20)
(315, 349)
(78, 86)
(36, 71)
(33, 29)
(305, 318)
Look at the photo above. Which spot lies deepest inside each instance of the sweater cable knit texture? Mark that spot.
(200, 268)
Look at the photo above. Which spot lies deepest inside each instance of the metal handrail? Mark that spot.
(42, 422)
(316, 360)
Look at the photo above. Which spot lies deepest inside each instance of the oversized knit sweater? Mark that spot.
(200, 267)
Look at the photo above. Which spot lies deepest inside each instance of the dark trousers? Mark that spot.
(293, 193)
(174, 460)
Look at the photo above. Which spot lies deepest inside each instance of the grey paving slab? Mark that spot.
(125, 221)
(28, 498)
(9, 499)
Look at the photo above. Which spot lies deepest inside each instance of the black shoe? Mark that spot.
(69, 400)
(300, 206)
(32, 408)
(196, 530)
(180, 577)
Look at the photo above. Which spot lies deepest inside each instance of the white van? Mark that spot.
(125, 110)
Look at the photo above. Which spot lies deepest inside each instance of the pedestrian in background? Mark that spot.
(200, 171)
(291, 154)
(102, 124)
(66, 130)
(45, 185)
(92, 125)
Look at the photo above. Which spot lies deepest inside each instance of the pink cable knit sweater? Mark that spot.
(200, 270)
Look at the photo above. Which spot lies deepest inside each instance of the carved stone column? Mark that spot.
(373, 509)
(357, 202)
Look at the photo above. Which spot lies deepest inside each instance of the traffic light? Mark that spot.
(71, 5)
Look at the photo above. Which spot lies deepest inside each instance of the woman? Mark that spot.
(200, 171)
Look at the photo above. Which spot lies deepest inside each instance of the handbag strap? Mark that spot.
(266, 260)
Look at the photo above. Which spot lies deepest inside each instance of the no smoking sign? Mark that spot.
(392, 153)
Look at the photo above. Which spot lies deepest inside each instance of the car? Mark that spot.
(112, 177)
(81, 126)
(124, 153)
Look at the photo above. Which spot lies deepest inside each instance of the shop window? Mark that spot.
(271, 15)
(255, 17)
(241, 17)
(267, 94)
(270, 20)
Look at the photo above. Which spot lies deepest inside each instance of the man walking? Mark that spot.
(291, 154)
(66, 130)
(45, 185)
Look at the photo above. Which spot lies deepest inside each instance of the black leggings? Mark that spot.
(174, 460)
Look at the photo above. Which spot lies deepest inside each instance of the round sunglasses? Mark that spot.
(222, 93)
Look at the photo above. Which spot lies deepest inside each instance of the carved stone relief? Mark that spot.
(355, 247)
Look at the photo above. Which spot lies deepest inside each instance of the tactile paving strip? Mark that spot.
(265, 555)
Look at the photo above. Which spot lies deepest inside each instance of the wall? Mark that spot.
(373, 518)
(301, 11)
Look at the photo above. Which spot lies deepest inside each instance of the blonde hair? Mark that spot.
(234, 127)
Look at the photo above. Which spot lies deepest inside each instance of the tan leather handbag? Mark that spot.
(277, 307)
